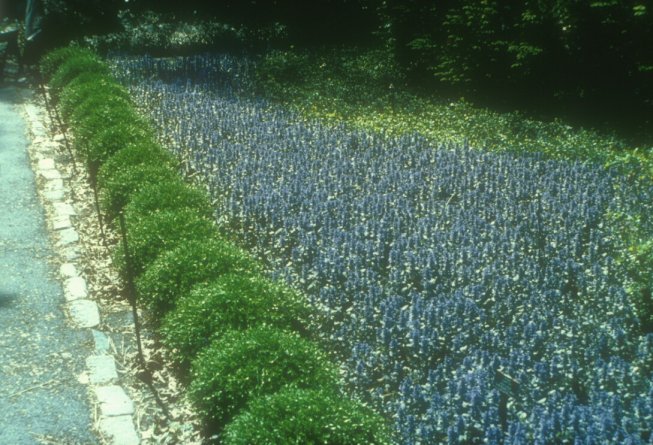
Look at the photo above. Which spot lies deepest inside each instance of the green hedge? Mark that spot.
(140, 153)
(96, 114)
(117, 187)
(169, 195)
(86, 86)
(153, 235)
(245, 365)
(73, 67)
(175, 272)
(51, 61)
(306, 417)
(99, 111)
(234, 301)
(110, 140)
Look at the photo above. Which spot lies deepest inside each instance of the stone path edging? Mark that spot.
(116, 409)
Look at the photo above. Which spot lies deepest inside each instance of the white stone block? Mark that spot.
(102, 369)
(39, 139)
(68, 270)
(46, 164)
(70, 253)
(39, 130)
(113, 401)
(50, 174)
(84, 313)
(54, 195)
(75, 289)
(64, 209)
(119, 430)
(54, 184)
(102, 344)
(68, 236)
(62, 223)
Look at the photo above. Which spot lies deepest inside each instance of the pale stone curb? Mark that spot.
(54, 190)
(84, 313)
(50, 174)
(62, 223)
(102, 369)
(68, 270)
(54, 185)
(113, 401)
(102, 342)
(46, 164)
(68, 236)
(75, 289)
(119, 430)
(54, 195)
(64, 209)
(70, 252)
(115, 424)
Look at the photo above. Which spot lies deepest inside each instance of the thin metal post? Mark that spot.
(131, 295)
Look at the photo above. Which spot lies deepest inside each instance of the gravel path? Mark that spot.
(41, 356)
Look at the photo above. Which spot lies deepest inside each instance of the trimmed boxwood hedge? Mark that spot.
(87, 86)
(245, 365)
(50, 62)
(98, 111)
(153, 235)
(136, 153)
(117, 187)
(98, 114)
(172, 275)
(295, 416)
(169, 195)
(112, 139)
(73, 67)
(233, 301)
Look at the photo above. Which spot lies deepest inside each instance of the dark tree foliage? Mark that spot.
(304, 22)
(593, 55)
(70, 19)
(62, 21)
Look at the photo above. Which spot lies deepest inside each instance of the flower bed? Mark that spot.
(474, 296)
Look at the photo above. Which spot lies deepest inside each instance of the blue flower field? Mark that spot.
(472, 297)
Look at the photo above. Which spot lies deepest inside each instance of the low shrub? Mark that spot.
(174, 273)
(169, 195)
(154, 234)
(87, 86)
(245, 365)
(97, 113)
(111, 139)
(306, 417)
(117, 187)
(92, 78)
(106, 110)
(135, 154)
(232, 301)
(73, 67)
(51, 61)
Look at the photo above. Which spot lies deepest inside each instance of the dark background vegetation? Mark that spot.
(587, 61)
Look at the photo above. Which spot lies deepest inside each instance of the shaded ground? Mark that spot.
(41, 400)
